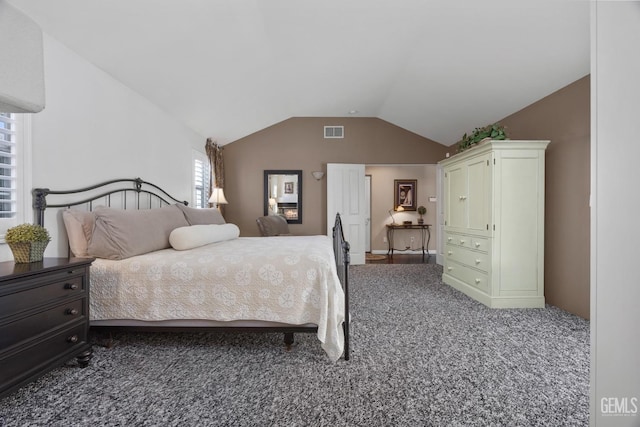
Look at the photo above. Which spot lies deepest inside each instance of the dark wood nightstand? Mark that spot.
(44, 318)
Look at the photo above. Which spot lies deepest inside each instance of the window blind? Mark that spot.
(201, 179)
(8, 202)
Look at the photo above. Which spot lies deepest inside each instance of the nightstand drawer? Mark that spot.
(65, 287)
(21, 329)
(20, 365)
(468, 275)
(465, 256)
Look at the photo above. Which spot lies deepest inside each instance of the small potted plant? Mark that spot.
(27, 242)
(421, 211)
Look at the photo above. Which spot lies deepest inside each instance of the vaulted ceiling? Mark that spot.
(228, 68)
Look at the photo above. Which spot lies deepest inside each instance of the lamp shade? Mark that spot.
(217, 197)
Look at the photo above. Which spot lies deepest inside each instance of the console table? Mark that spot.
(425, 234)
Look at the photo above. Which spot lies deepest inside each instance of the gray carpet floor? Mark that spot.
(423, 354)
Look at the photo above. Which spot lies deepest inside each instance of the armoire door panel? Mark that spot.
(478, 178)
(456, 192)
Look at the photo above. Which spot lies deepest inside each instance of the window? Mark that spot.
(15, 170)
(8, 165)
(201, 179)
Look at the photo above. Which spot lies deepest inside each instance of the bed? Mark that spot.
(163, 266)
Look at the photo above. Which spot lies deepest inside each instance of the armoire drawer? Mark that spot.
(475, 259)
(467, 275)
(480, 244)
(461, 240)
(20, 329)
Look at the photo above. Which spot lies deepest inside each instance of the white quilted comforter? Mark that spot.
(289, 279)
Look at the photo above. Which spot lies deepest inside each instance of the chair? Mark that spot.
(273, 225)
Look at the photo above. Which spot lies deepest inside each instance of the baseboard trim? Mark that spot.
(493, 302)
(411, 252)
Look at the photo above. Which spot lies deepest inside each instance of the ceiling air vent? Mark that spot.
(334, 131)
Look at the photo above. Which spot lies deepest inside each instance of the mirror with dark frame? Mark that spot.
(283, 194)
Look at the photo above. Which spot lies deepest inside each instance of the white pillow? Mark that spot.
(193, 236)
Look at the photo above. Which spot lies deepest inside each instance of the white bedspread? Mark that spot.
(289, 279)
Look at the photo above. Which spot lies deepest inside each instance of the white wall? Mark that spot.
(94, 128)
(615, 213)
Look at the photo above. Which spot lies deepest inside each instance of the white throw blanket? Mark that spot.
(289, 279)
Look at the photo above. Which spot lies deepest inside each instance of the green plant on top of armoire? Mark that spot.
(494, 131)
(27, 242)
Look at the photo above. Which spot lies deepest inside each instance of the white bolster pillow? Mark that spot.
(193, 236)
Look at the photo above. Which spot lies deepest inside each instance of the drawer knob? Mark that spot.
(72, 339)
(449, 268)
(71, 311)
(71, 286)
(477, 244)
(477, 281)
(477, 261)
(449, 253)
(449, 239)
(462, 242)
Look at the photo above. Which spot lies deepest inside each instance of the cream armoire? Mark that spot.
(494, 223)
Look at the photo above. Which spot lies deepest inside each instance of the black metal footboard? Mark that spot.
(341, 253)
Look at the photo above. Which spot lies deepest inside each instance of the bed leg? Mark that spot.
(288, 340)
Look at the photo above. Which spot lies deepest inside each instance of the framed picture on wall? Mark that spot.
(288, 188)
(405, 192)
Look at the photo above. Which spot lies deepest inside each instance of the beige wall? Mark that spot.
(564, 118)
(298, 143)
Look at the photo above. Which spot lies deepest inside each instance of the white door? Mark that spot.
(346, 195)
(367, 208)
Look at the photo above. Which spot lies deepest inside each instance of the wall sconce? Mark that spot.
(217, 197)
(317, 175)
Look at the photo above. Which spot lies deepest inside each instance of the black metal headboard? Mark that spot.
(102, 191)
